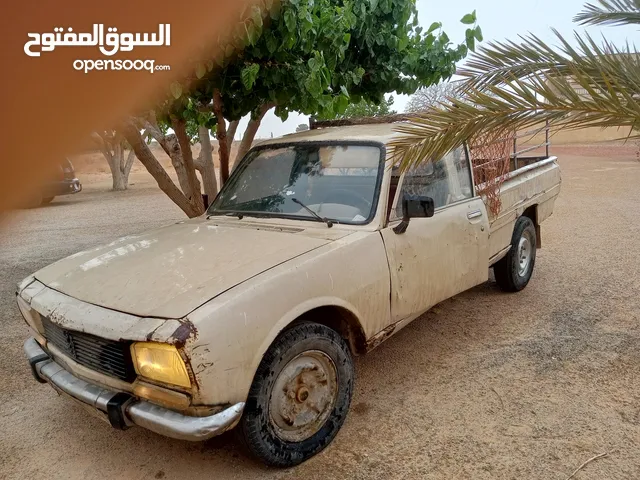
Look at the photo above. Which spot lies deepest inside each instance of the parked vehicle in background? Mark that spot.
(316, 249)
(62, 180)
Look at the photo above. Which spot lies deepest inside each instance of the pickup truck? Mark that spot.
(317, 249)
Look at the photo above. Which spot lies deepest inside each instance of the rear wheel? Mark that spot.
(514, 271)
(46, 200)
(300, 396)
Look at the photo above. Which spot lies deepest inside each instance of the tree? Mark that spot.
(432, 96)
(364, 108)
(112, 145)
(509, 86)
(314, 57)
(302, 127)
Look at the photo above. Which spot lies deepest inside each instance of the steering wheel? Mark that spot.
(360, 201)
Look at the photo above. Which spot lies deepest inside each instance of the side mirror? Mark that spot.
(414, 206)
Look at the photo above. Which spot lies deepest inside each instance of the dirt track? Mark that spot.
(486, 385)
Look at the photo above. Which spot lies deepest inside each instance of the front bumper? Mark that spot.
(67, 186)
(123, 410)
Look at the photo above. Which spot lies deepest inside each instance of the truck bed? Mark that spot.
(532, 187)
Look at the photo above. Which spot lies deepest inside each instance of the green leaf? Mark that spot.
(251, 33)
(346, 38)
(249, 74)
(201, 70)
(290, 21)
(402, 43)
(256, 16)
(469, 18)
(434, 26)
(341, 105)
(374, 4)
(357, 75)
(272, 42)
(470, 39)
(313, 85)
(344, 91)
(176, 90)
(478, 33)
(281, 113)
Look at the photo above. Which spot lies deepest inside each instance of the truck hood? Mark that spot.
(169, 272)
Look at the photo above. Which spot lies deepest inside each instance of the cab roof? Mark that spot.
(380, 132)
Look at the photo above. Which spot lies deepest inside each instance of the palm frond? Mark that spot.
(491, 64)
(610, 12)
(584, 87)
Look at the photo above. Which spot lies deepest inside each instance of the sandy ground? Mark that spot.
(486, 385)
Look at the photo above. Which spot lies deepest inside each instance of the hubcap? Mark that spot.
(525, 252)
(303, 396)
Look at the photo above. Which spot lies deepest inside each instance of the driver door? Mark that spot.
(438, 257)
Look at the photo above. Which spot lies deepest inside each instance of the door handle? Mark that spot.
(474, 214)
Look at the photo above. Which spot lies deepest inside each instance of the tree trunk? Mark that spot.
(119, 182)
(204, 164)
(193, 192)
(231, 133)
(221, 135)
(128, 164)
(112, 151)
(144, 154)
(250, 133)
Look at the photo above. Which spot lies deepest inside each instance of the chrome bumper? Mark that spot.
(123, 410)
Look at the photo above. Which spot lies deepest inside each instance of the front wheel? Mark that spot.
(514, 271)
(300, 396)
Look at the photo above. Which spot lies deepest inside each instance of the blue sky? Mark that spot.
(499, 19)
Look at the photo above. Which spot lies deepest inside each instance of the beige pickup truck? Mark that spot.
(316, 250)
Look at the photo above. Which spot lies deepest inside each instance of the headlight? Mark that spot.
(160, 362)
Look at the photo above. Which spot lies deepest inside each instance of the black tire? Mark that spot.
(258, 429)
(511, 274)
(46, 200)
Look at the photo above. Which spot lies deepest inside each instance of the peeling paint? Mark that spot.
(185, 331)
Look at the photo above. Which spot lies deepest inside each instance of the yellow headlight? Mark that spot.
(161, 362)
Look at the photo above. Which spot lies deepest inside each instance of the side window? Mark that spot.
(447, 180)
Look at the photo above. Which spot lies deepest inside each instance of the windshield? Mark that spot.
(339, 183)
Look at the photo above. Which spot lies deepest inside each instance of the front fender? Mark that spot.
(236, 328)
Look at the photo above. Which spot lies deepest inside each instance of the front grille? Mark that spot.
(105, 356)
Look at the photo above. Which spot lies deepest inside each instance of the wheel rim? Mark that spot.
(303, 396)
(525, 252)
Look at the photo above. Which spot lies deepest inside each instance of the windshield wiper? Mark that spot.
(229, 214)
(320, 219)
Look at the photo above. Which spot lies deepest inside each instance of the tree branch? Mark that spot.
(194, 194)
(231, 133)
(250, 132)
(146, 157)
(221, 135)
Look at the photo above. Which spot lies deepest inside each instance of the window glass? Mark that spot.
(447, 180)
(336, 182)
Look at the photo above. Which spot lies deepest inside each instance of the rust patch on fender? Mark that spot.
(183, 333)
(380, 337)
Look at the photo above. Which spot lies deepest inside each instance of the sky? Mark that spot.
(499, 20)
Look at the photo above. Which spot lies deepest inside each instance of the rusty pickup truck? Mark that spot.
(316, 250)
